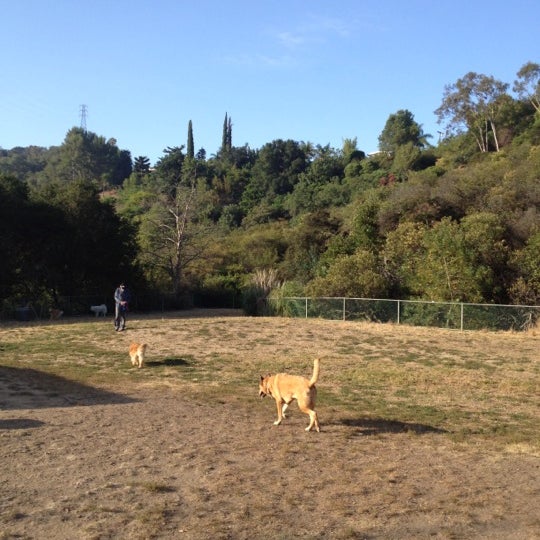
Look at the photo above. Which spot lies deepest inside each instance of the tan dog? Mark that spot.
(136, 353)
(284, 388)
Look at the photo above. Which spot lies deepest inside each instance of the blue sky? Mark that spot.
(312, 71)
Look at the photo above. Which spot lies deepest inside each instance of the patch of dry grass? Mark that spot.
(425, 433)
(469, 385)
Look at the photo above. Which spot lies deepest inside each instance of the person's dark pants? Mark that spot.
(119, 318)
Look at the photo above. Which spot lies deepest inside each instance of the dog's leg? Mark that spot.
(306, 406)
(283, 409)
(313, 421)
(140, 361)
(279, 413)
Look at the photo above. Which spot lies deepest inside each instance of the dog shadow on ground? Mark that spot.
(169, 362)
(377, 426)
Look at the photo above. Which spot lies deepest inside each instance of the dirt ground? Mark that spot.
(81, 462)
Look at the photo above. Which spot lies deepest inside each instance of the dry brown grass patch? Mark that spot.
(426, 433)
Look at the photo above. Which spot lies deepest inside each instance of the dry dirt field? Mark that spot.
(424, 433)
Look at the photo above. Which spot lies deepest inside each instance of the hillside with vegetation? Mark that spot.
(455, 220)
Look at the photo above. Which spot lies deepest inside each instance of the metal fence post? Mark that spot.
(306, 307)
(344, 300)
(462, 316)
(398, 310)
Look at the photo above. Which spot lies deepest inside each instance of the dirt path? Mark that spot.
(87, 463)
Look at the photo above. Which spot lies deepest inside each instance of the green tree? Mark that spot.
(23, 163)
(473, 102)
(401, 129)
(190, 152)
(350, 151)
(307, 241)
(14, 216)
(484, 242)
(527, 84)
(61, 240)
(141, 165)
(365, 224)
(275, 172)
(226, 139)
(525, 288)
(403, 253)
(259, 246)
(98, 246)
(136, 197)
(228, 180)
(447, 272)
(169, 166)
(358, 276)
(405, 158)
(88, 157)
(309, 192)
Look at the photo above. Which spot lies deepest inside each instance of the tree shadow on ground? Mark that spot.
(170, 362)
(24, 388)
(377, 426)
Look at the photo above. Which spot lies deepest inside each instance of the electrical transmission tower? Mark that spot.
(82, 114)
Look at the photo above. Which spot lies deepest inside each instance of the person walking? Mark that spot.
(121, 303)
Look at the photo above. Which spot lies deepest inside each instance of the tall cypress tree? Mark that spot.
(190, 147)
(229, 135)
(225, 136)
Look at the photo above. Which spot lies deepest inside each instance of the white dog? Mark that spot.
(99, 310)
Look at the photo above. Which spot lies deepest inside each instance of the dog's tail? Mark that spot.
(315, 376)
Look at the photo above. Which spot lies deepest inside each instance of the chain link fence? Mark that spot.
(454, 315)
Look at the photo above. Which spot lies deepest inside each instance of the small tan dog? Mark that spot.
(136, 353)
(285, 388)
